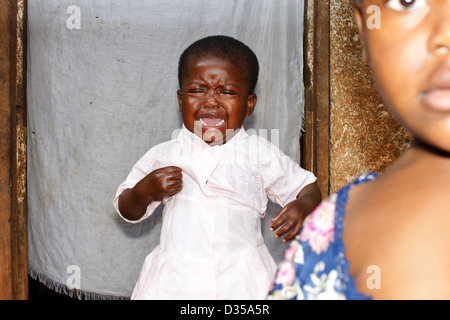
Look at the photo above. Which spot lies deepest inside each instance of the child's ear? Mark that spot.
(180, 100)
(359, 17)
(251, 103)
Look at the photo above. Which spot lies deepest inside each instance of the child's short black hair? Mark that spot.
(222, 47)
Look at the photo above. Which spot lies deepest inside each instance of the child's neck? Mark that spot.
(430, 150)
(421, 158)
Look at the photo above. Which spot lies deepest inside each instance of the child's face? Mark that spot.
(410, 56)
(214, 97)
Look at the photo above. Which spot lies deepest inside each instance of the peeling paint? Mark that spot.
(21, 163)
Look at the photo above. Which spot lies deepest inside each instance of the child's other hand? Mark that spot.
(165, 182)
(289, 220)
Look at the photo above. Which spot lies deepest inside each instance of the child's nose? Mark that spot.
(211, 101)
(439, 41)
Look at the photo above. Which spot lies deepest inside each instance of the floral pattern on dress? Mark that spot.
(314, 265)
(318, 228)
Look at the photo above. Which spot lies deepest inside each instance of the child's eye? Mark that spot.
(403, 5)
(227, 92)
(196, 91)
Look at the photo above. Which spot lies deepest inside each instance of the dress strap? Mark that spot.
(341, 202)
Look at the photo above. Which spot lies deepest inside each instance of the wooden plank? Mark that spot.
(315, 149)
(5, 150)
(322, 92)
(19, 160)
(307, 140)
(13, 221)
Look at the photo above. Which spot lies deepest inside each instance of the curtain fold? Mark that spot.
(102, 81)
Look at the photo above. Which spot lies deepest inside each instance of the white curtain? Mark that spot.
(102, 84)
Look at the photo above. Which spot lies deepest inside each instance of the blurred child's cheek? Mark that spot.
(398, 55)
(412, 21)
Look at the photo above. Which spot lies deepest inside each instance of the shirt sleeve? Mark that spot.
(143, 167)
(283, 178)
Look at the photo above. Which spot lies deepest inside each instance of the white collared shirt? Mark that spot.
(213, 223)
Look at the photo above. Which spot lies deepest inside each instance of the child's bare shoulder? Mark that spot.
(418, 261)
(401, 225)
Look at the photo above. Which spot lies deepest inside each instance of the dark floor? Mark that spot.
(38, 291)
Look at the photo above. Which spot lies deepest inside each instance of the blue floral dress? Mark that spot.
(314, 266)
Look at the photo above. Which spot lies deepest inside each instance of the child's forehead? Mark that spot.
(212, 63)
(207, 59)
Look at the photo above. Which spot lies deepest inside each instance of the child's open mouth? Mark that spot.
(211, 122)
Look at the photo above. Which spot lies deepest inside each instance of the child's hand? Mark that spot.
(290, 219)
(164, 182)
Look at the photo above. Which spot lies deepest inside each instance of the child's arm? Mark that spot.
(160, 183)
(291, 217)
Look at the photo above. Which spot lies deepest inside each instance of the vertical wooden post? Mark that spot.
(315, 141)
(13, 217)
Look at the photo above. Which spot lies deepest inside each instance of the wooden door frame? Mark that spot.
(315, 142)
(13, 199)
